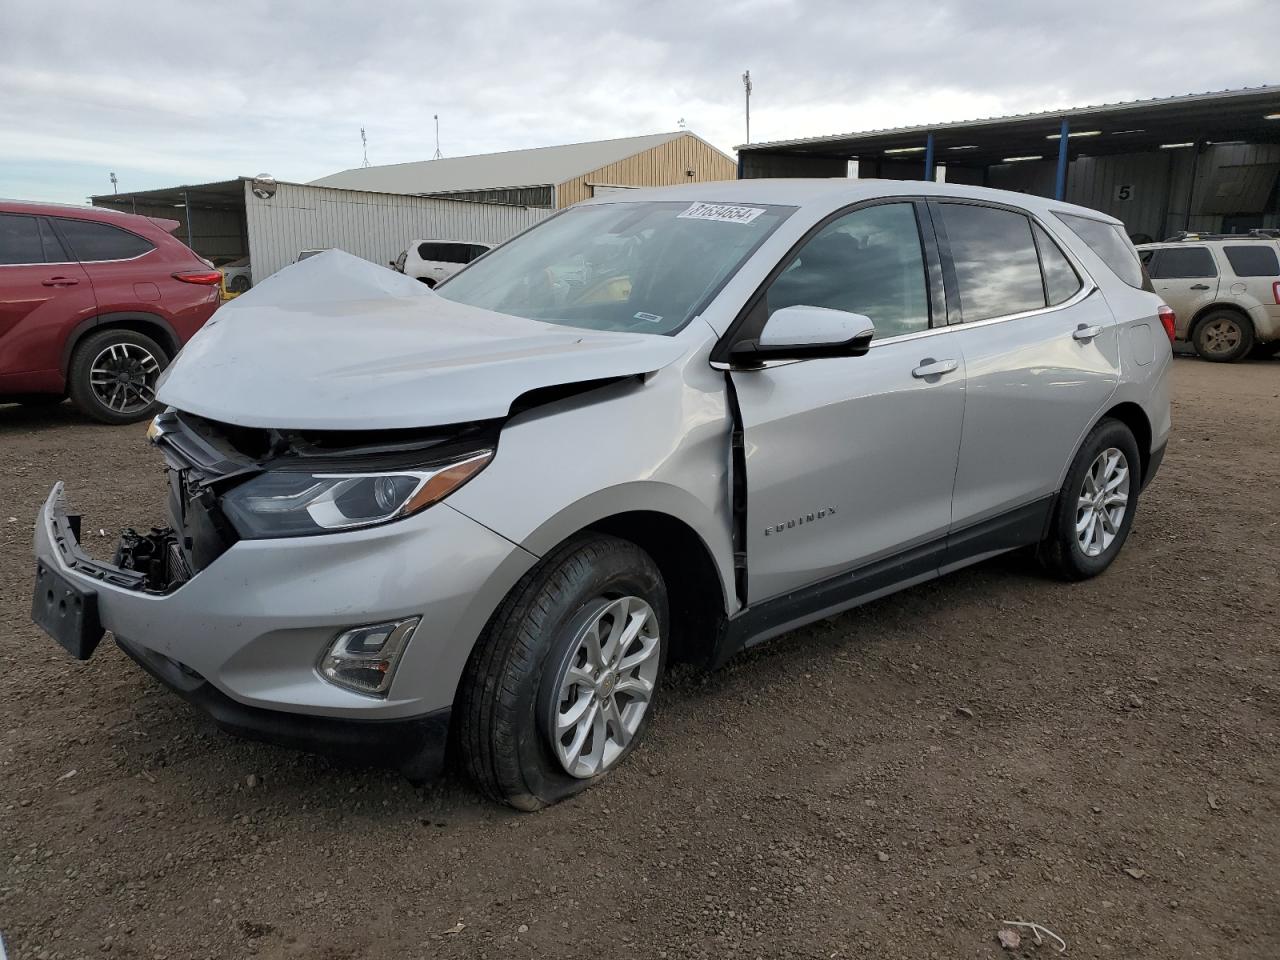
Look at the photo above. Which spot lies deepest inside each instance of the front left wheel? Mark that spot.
(561, 686)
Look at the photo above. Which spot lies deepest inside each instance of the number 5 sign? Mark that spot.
(1124, 191)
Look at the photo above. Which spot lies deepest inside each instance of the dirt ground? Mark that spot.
(1101, 758)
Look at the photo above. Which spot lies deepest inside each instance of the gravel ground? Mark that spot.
(1099, 758)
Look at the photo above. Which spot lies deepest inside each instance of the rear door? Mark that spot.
(44, 294)
(851, 460)
(1186, 277)
(120, 264)
(1041, 358)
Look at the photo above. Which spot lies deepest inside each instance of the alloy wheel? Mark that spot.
(1221, 336)
(605, 686)
(123, 377)
(1102, 502)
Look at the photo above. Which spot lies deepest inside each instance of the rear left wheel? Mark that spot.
(1095, 507)
(560, 688)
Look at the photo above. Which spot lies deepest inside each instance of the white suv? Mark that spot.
(434, 261)
(1225, 290)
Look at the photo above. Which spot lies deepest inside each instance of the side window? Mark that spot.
(431, 251)
(53, 249)
(995, 260)
(1061, 282)
(90, 240)
(478, 250)
(869, 262)
(1178, 263)
(1111, 245)
(456, 253)
(19, 239)
(1252, 260)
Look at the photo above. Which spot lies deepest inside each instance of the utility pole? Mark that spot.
(114, 181)
(746, 83)
(438, 155)
(364, 145)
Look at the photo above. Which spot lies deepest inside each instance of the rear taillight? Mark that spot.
(206, 277)
(1168, 320)
(1275, 291)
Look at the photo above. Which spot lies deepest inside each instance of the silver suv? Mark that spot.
(1224, 289)
(657, 427)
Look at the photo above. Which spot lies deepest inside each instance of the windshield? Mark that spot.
(638, 267)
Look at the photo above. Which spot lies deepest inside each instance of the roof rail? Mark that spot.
(1257, 233)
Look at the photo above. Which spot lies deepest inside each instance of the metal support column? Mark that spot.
(1060, 184)
(929, 173)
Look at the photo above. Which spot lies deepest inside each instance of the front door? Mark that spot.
(44, 294)
(852, 460)
(1186, 277)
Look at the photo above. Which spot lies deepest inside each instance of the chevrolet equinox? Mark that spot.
(660, 427)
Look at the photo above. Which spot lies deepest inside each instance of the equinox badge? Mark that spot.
(769, 531)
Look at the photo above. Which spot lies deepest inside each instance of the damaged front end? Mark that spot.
(228, 483)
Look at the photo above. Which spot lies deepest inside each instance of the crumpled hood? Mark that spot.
(338, 343)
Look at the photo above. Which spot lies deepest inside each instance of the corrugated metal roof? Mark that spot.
(1188, 99)
(540, 166)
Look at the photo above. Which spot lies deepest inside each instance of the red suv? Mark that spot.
(93, 305)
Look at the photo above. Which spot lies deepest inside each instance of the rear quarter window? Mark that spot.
(90, 240)
(1111, 245)
(1252, 260)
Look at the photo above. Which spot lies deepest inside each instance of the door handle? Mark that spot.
(1199, 286)
(930, 367)
(59, 282)
(1085, 333)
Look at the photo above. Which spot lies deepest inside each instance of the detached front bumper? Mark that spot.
(243, 637)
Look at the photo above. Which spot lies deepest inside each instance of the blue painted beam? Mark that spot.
(929, 172)
(1060, 184)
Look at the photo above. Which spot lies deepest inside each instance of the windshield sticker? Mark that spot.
(724, 212)
(651, 317)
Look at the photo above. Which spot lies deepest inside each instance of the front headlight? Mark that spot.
(289, 503)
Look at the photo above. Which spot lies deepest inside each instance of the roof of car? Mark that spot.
(104, 214)
(837, 192)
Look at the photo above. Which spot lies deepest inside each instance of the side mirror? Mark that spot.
(802, 333)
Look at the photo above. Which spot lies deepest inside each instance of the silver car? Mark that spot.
(661, 426)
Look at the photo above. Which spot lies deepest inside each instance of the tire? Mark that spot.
(136, 357)
(1062, 552)
(1223, 336)
(238, 284)
(510, 696)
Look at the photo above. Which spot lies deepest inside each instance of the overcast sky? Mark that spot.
(165, 93)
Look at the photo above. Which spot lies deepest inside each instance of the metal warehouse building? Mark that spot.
(550, 177)
(274, 223)
(1201, 162)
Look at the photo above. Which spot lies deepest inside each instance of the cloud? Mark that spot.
(181, 92)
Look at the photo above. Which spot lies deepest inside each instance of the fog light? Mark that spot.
(364, 659)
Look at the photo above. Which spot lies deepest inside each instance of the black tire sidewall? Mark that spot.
(1108, 433)
(623, 570)
(81, 391)
(1246, 337)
